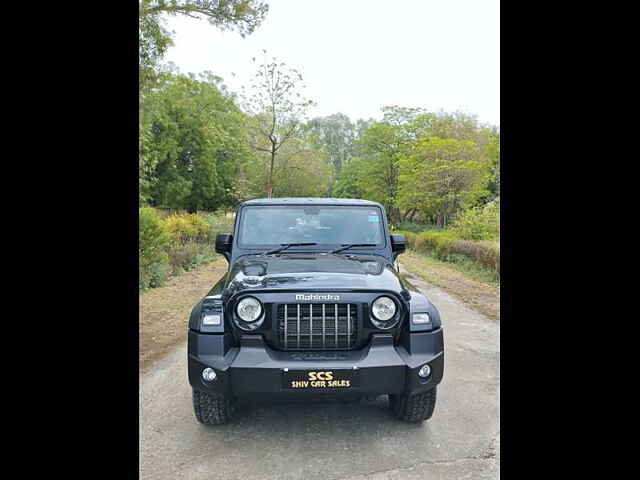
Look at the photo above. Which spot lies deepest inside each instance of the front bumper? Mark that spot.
(254, 368)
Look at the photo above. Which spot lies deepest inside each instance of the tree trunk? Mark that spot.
(270, 183)
(394, 215)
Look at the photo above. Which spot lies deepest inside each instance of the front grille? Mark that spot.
(317, 326)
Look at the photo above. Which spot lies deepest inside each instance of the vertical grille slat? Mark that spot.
(336, 341)
(348, 321)
(285, 327)
(324, 337)
(311, 324)
(298, 331)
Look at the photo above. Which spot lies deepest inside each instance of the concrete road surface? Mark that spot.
(352, 441)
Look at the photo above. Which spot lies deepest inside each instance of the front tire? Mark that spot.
(413, 408)
(211, 409)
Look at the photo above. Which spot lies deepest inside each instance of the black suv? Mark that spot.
(312, 305)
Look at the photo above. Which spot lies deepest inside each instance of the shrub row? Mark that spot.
(480, 223)
(445, 245)
(174, 243)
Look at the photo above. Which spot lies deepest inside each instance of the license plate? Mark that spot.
(319, 379)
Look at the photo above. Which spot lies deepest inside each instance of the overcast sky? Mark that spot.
(357, 56)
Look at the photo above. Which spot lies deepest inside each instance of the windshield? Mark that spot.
(325, 225)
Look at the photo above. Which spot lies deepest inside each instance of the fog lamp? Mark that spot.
(424, 371)
(421, 318)
(211, 319)
(209, 374)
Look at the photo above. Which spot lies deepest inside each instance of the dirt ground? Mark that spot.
(481, 297)
(164, 312)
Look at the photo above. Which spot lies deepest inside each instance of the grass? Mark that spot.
(465, 265)
(478, 287)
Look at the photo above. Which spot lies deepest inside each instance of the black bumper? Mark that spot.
(254, 368)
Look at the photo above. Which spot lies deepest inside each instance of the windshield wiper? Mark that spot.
(287, 245)
(344, 247)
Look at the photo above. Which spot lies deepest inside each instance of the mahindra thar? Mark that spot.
(312, 305)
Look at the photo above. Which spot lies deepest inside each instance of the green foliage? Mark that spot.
(174, 188)
(443, 176)
(276, 109)
(446, 246)
(425, 168)
(480, 223)
(493, 153)
(241, 15)
(187, 228)
(382, 145)
(152, 243)
(219, 223)
(194, 144)
(184, 257)
(176, 242)
(415, 227)
(154, 40)
(334, 136)
(153, 236)
(352, 181)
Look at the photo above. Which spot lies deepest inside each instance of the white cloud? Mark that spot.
(357, 56)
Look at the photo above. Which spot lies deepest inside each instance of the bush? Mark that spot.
(153, 240)
(186, 228)
(190, 255)
(416, 227)
(445, 245)
(486, 254)
(173, 242)
(219, 223)
(154, 276)
(482, 223)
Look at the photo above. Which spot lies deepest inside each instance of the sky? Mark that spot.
(357, 56)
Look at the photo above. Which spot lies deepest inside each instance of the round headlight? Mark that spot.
(249, 309)
(383, 309)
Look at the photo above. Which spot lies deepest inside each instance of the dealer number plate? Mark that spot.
(319, 379)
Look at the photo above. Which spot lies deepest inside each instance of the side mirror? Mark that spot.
(398, 243)
(224, 241)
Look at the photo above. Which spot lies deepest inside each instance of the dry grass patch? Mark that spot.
(164, 312)
(480, 296)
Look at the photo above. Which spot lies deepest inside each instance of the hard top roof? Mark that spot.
(310, 201)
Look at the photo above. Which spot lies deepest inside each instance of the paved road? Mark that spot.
(357, 441)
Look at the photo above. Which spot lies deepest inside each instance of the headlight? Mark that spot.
(249, 309)
(383, 309)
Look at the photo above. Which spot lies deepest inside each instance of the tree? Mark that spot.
(442, 176)
(383, 144)
(195, 143)
(154, 39)
(334, 135)
(301, 171)
(277, 109)
(493, 152)
(353, 180)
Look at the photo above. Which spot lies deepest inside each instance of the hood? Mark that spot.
(312, 271)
